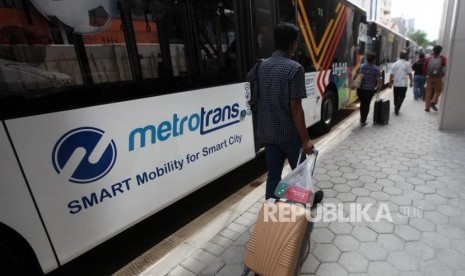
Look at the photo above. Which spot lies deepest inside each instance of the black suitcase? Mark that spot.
(381, 111)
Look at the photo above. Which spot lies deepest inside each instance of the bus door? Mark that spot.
(214, 36)
(265, 15)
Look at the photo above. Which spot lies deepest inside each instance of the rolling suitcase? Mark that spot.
(381, 111)
(280, 240)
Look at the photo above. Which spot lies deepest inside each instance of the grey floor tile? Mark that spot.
(310, 265)
(233, 254)
(346, 243)
(420, 250)
(326, 253)
(434, 268)
(391, 242)
(381, 269)
(420, 183)
(229, 270)
(353, 262)
(451, 258)
(364, 234)
(330, 269)
(402, 261)
(373, 251)
(193, 265)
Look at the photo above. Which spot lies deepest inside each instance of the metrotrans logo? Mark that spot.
(96, 161)
(205, 121)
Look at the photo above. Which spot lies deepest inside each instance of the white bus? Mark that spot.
(113, 110)
(387, 45)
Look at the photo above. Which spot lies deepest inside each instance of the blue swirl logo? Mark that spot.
(86, 138)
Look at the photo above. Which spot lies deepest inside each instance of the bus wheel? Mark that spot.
(17, 260)
(9, 262)
(328, 108)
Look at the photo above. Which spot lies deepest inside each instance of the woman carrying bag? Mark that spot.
(370, 84)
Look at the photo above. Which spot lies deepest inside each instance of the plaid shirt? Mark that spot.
(280, 80)
(372, 74)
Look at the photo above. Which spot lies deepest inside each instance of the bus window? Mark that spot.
(214, 25)
(263, 20)
(107, 54)
(30, 63)
(286, 12)
(320, 15)
(160, 40)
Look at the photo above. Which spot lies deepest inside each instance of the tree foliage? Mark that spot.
(419, 37)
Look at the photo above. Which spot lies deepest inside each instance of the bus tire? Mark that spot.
(328, 111)
(16, 256)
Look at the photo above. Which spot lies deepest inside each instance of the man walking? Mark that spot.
(434, 69)
(401, 69)
(419, 79)
(281, 123)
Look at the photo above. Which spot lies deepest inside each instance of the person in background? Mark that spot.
(419, 79)
(434, 69)
(371, 83)
(401, 69)
(281, 122)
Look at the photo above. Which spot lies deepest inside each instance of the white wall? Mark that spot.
(452, 102)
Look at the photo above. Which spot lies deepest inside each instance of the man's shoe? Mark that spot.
(363, 123)
(396, 112)
(317, 198)
(427, 110)
(433, 106)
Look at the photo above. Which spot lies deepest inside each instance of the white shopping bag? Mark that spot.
(297, 186)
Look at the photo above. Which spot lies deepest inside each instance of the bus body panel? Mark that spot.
(98, 170)
(333, 37)
(387, 45)
(14, 195)
(112, 156)
(311, 105)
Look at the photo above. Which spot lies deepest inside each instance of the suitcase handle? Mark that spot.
(377, 93)
(314, 154)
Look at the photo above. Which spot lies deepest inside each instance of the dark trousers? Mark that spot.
(399, 96)
(275, 155)
(365, 97)
(419, 87)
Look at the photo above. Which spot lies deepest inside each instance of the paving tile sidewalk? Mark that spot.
(411, 167)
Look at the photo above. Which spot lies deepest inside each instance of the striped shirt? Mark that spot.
(280, 80)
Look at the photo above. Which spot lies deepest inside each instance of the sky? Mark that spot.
(427, 14)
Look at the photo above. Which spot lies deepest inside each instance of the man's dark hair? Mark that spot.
(371, 57)
(421, 56)
(437, 49)
(284, 35)
(403, 55)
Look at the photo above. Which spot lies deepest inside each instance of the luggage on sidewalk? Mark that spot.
(280, 241)
(381, 111)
